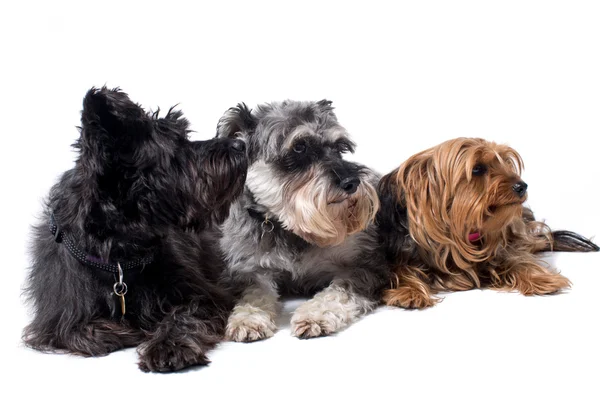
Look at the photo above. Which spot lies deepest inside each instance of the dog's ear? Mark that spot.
(109, 115)
(325, 105)
(112, 128)
(425, 195)
(324, 111)
(422, 180)
(238, 121)
(173, 121)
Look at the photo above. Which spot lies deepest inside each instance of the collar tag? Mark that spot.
(267, 226)
(120, 289)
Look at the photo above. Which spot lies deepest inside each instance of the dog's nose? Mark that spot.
(350, 185)
(520, 188)
(238, 145)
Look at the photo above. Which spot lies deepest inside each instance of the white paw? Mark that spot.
(311, 320)
(248, 324)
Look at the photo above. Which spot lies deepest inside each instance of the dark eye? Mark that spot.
(300, 147)
(479, 170)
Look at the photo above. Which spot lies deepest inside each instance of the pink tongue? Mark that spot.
(474, 236)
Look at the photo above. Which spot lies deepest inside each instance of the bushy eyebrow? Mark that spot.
(294, 135)
(344, 144)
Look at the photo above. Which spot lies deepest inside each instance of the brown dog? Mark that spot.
(452, 218)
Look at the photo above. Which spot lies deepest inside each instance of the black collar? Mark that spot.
(61, 237)
(256, 214)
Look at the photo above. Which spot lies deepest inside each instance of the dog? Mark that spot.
(302, 225)
(452, 218)
(126, 252)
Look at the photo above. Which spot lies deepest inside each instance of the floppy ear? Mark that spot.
(419, 180)
(110, 123)
(237, 121)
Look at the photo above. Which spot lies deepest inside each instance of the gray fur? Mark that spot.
(264, 264)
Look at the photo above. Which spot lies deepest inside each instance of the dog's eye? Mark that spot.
(479, 170)
(300, 147)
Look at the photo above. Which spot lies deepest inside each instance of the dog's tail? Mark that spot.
(563, 240)
(570, 241)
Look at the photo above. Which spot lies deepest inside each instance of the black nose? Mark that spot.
(238, 145)
(520, 188)
(350, 185)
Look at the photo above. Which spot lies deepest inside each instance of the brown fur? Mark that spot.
(444, 203)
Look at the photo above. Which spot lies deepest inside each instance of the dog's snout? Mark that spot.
(520, 188)
(350, 184)
(237, 145)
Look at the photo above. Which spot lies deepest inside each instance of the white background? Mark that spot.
(403, 76)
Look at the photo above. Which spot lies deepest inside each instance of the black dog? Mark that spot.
(126, 253)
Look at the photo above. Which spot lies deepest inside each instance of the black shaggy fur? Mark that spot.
(138, 187)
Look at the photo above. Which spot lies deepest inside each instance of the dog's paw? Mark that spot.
(409, 297)
(543, 284)
(169, 357)
(249, 324)
(306, 328)
(310, 323)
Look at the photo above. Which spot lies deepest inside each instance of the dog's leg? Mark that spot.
(96, 338)
(102, 337)
(182, 338)
(69, 315)
(523, 273)
(253, 317)
(330, 311)
(410, 290)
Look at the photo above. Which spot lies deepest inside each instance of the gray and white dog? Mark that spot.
(299, 227)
